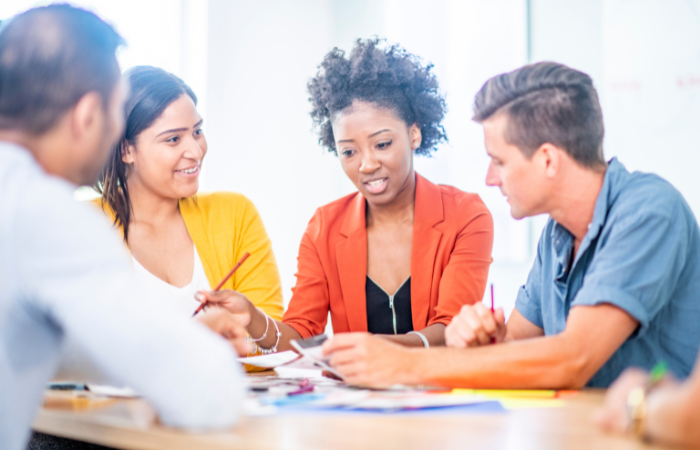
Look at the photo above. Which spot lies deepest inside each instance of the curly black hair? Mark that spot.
(390, 78)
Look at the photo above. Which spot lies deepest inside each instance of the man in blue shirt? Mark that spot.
(617, 275)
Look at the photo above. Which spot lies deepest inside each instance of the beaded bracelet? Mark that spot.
(249, 338)
(273, 349)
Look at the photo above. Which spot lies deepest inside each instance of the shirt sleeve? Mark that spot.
(463, 279)
(259, 277)
(74, 276)
(308, 309)
(637, 265)
(529, 299)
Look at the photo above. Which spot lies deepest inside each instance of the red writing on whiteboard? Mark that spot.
(626, 85)
(691, 81)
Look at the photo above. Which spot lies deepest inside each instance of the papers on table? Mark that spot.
(395, 401)
(273, 395)
(270, 361)
(111, 391)
(288, 360)
(92, 390)
(521, 398)
(308, 358)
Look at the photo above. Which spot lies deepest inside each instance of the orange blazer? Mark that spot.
(451, 254)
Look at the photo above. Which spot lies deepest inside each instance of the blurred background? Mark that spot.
(249, 62)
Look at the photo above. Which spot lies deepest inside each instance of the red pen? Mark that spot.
(230, 274)
(493, 339)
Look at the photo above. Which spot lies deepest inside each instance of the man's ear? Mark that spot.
(88, 117)
(415, 136)
(550, 156)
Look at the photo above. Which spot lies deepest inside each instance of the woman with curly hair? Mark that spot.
(400, 256)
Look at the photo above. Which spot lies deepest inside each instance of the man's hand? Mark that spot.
(230, 326)
(366, 360)
(476, 325)
(614, 417)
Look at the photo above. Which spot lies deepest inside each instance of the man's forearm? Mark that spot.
(539, 363)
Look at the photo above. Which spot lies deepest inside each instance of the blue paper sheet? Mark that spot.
(488, 407)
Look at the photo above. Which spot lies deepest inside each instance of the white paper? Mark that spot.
(315, 357)
(111, 391)
(403, 401)
(272, 360)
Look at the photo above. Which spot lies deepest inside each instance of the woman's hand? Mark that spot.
(231, 327)
(476, 325)
(257, 322)
(367, 360)
(234, 302)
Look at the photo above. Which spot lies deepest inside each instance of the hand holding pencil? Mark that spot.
(199, 297)
(476, 325)
(229, 321)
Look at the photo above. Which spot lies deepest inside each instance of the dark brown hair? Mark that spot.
(151, 91)
(547, 102)
(50, 57)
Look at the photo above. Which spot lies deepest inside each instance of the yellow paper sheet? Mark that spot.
(507, 394)
(517, 399)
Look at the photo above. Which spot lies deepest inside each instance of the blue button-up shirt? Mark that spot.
(642, 254)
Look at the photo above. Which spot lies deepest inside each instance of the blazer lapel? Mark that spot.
(426, 239)
(351, 257)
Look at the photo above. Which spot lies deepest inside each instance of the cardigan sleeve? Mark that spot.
(464, 278)
(258, 279)
(308, 309)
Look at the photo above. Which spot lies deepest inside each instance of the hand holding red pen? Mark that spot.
(476, 325)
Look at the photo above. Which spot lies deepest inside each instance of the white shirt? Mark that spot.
(183, 297)
(59, 260)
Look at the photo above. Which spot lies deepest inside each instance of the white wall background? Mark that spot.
(249, 63)
(262, 54)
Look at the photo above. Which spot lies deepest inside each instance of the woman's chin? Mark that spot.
(188, 191)
(383, 199)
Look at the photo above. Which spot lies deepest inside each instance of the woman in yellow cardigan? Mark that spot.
(181, 241)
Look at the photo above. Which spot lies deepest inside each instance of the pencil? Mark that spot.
(493, 339)
(220, 285)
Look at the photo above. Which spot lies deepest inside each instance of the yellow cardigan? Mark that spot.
(223, 226)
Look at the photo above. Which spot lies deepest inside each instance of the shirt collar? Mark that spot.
(612, 184)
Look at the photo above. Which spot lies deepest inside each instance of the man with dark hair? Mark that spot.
(617, 272)
(64, 274)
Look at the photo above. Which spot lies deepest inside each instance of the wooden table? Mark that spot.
(128, 424)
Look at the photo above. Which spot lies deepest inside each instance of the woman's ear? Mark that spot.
(127, 153)
(415, 136)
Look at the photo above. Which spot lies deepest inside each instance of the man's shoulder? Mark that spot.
(647, 194)
(24, 185)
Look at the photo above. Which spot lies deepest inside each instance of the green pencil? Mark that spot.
(658, 372)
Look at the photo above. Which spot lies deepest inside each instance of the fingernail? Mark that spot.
(199, 297)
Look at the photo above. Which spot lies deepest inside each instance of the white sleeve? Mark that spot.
(74, 274)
